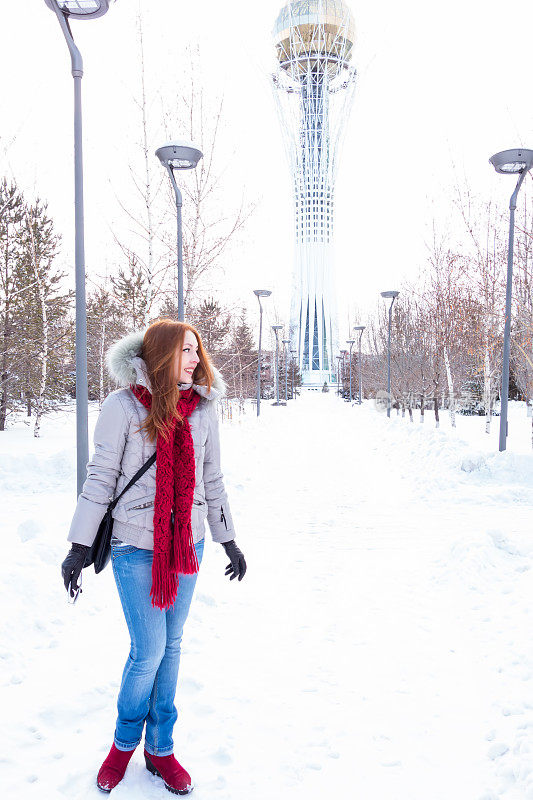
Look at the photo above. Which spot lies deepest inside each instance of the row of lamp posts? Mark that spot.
(259, 293)
(183, 155)
(517, 161)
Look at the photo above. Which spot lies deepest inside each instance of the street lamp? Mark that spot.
(351, 342)
(393, 295)
(286, 343)
(509, 162)
(79, 9)
(360, 328)
(179, 154)
(259, 293)
(338, 375)
(277, 328)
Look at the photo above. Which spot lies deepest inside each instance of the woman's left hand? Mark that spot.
(237, 566)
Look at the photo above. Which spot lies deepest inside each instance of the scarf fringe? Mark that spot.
(164, 583)
(183, 557)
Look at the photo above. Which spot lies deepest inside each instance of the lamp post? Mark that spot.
(351, 342)
(64, 10)
(179, 155)
(286, 343)
(277, 328)
(509, 162)
(259, 293)
(393, 295)
(360, 328)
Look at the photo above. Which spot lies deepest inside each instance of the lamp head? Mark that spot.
(262, 292)
(81, 9)
(512, 162)
(277, 327)
(350, 341)
(392, 294)
(179, 154)
(359, 328)
(286, 341)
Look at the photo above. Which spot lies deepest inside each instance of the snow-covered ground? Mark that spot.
(378, 647)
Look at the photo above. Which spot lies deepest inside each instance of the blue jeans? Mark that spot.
(150, 675)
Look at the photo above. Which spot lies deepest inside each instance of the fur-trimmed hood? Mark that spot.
(125, 366)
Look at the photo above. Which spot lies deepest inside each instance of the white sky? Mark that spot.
(439, 86)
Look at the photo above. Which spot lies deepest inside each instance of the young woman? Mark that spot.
(167, 406)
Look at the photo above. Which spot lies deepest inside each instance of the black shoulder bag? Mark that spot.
(100, 551)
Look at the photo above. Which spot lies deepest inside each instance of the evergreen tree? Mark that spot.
(213, 324)
(12, 290)
(105, 324)
(243, 358)
(130, 291)
(169, 308)
(46, 341)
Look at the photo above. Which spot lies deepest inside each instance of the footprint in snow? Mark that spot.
(496, 750)
(203, 710)
(221, 756)
(28, 530)
(206, 599)
(189, 685)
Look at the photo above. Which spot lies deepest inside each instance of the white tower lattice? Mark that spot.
(314, 85)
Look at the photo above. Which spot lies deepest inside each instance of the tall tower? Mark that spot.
(314, 85)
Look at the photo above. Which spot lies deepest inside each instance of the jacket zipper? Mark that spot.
(143, 505)
(222, 517)
(198, 502)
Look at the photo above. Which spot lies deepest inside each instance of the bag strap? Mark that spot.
(135, 478)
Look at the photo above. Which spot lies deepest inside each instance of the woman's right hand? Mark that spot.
(72, 567)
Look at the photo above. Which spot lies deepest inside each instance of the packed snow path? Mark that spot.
(378, 646)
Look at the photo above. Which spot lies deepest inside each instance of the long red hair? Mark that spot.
(162, 340)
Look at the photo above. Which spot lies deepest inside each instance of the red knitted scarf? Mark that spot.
(174, 488)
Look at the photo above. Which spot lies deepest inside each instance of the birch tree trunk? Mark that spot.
(102, 358)
(487, 389)
(451, 393)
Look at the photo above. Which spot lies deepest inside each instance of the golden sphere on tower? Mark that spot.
(314, 34)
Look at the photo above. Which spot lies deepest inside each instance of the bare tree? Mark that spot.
(144, 207)
(210, 223)
(485, 265)
(449, 301)
(522, 323)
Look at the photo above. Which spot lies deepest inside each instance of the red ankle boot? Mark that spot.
(113, 769)
(176, 778)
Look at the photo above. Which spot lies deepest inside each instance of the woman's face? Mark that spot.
(189, 358)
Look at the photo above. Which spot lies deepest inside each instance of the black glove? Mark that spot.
(238, 564)
(72, 567)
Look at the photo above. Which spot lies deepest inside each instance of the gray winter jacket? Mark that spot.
(120, 450)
